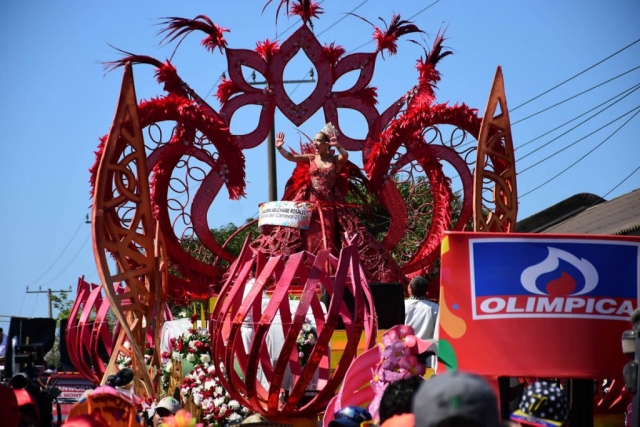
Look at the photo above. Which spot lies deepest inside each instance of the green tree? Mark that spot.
(197, 250)
(62, 304)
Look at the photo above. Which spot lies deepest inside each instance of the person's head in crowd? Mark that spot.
(543, 404)
(457, 399)
(398, 396)
(166, 407)
(418, 287)
(93, 420)
(9, 409)
(29, 412)
(351, 416)
(404, 420)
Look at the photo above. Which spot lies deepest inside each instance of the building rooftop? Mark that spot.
(617, 216)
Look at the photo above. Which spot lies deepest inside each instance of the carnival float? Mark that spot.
(151, 249)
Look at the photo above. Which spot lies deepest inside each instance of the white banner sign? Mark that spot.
(286, 214)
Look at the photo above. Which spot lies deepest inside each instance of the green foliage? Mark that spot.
(234, 246)
(62, 304)
(418, 197)
(416, 192)
(196, 249)
(182, 311)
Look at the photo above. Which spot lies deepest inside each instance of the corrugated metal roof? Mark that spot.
(618, 216)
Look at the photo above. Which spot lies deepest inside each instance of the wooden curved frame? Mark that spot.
(123, 182)
(495, 144)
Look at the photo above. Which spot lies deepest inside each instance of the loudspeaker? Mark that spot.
(388, 299)
(65, 360)
(32, 330)
(29, 353)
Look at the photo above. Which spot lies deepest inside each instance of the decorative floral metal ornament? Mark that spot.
(397, 143)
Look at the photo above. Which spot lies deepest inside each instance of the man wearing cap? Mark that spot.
(543, 404)
(167, 406)
(457, 399)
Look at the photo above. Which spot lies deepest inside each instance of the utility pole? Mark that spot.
(271, 139)
(49, 293)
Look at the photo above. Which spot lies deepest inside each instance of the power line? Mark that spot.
(632, 88)
(576, 75)
(580, 124)
(581, 139)
(575, 96)
(21, 305)
(341, 19)
(67, 266)
(561, 102)
(214, 86)
(419, 12)
(621, 182)
(581, 158)
(61, 253)
(33, 309)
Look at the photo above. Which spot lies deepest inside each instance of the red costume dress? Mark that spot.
(332, 219)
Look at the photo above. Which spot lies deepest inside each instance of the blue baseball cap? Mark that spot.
(350, 416)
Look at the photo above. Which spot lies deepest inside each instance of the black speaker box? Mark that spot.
(65, 360)
(388, 299)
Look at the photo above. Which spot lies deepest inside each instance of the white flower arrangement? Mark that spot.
(205, 391)
(306, 340)
(123, 361)
(194, 346)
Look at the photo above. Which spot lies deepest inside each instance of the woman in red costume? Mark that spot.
(320, 178)
(324, 169)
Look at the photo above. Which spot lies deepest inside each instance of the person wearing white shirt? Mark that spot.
(420, 313)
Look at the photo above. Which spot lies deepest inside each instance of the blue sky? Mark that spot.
(57, 101)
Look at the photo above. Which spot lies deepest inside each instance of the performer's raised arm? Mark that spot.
(300, 158)
(343, 155)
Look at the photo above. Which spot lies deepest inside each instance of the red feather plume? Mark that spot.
(387, 39)
(398, 27)
(267, 49)
(333, 52)
(226, 89)
(305, 9)
(166, 73)
(93, 170)
(396, 134)
(368, 95)
(429, 76)
(178, 27)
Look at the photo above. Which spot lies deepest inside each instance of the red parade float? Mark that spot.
(164, 249)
